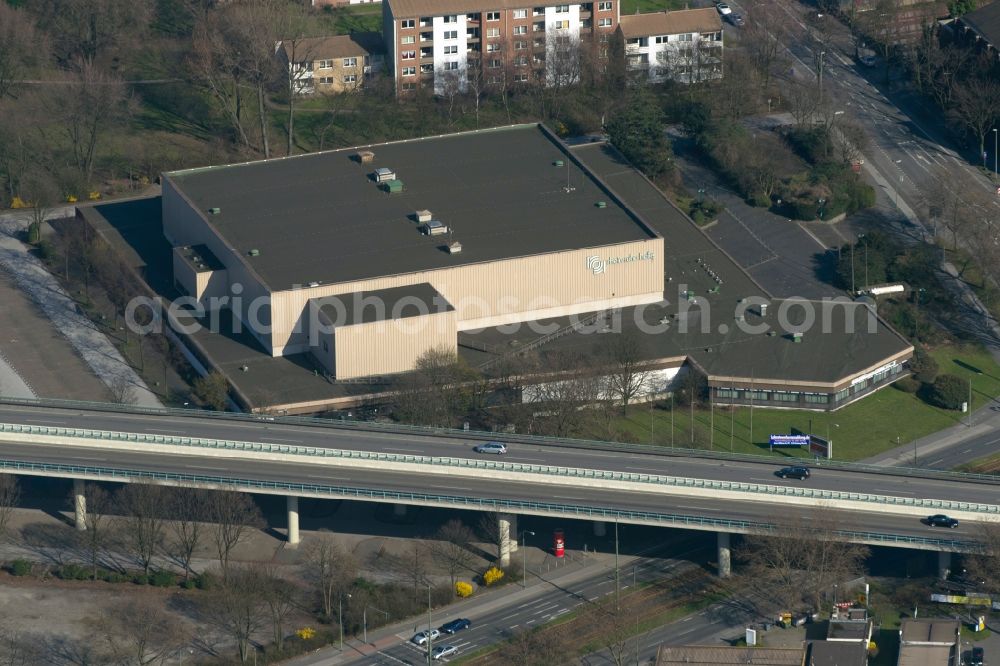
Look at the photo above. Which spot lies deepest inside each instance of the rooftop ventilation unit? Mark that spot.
(314, 284)
(383, 174)
(393, 186)
(366, 156)
(435, 228)
(454, 248)
(423, 216)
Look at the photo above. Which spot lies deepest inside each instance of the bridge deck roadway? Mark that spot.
(529, 496)
(333, 483)
(890, 482)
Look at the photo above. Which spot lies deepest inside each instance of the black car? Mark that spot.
(795, 472)
(978, 654)
(455, 625)
(941, 520)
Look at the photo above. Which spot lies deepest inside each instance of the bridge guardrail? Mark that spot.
(497, 465)
(112, 473)
(427, 431)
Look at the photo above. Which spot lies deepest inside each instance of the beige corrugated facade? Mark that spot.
(492, 293)
(392, 346)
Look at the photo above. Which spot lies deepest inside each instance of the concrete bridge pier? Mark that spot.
(944, 564)
(725, 555)
(503, 529)
(514, 534)
(293, 521)
(600, 528)
(80, 505)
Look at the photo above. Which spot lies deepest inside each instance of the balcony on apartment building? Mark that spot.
(636, 44)
(427, 53)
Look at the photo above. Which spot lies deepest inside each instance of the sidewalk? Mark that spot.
(483, 602)
(91, 344)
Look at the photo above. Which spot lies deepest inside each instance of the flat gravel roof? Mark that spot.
(322, 217)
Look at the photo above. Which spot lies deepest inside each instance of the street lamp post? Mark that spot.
(364, 619)
(430, 623)
(820, 78)
(340, 617)
(995, 170)
(524, 559)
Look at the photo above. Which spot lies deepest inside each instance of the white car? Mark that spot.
(498, 448)
(723, 9)
(442, 651)
(421, 638)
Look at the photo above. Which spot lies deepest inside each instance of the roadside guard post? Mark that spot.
(558, 543)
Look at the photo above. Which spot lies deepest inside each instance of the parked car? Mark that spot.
(444, 651)
(794, 472)
(723, 9)
(978, 654)
(455, 625)
(422, 637)
(497, 448)
(941, 520)
(735, 19)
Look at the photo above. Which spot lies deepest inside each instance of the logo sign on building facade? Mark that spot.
(786, 441)
(598, 265)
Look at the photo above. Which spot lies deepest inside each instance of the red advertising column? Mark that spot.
(558, 543)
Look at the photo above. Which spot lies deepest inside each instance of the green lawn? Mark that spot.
(862, 429)
(351, 18)
(647, 6)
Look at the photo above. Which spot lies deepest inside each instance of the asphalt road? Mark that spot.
(305, 435)
(501, 623)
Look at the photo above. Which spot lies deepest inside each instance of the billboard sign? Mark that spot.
(820, 447)
(789, 440)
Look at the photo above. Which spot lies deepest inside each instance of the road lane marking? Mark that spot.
(205, 467)
(696, 508)
(86, 458)
(172, 432)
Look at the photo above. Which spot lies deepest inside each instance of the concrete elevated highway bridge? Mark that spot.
(602, 482)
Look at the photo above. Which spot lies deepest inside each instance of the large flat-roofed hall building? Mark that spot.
(470, 231)
(357, 262)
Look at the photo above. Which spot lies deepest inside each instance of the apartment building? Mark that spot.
(332, 64)
(684, 45)
(443, 44)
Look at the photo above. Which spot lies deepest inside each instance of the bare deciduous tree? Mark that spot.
(451, 548)
(143, 508)
(233, 516)
(281, 596)
(95, 537)
(982, 566)
(186, 528)
(122, 390)
(494, 529)
(140, 632)
(329, 568)
(628, 375)
(87, 109)
(976, 107)
(801, 558)
(10, 495)
(20, 47)
(411, 566)
(237, 607)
